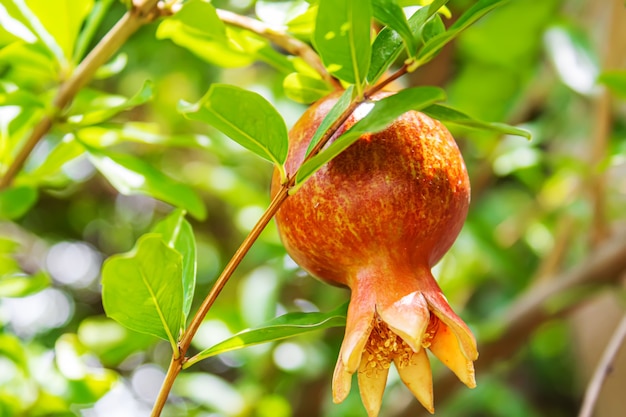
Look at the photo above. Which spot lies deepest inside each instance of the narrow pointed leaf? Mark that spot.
(244, 116)
(337, 110)
(379, 116)
(283, 327)
(305, 89)
(478, 10)
(142, 289)
(388, 44)
(93, 107)
(130, 175)
(450, 115)
(177, 233)
(342, 38)
(390, 14)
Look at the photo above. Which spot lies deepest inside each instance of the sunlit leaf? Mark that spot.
(142, 289)
(379, 115)
(388, 44)
(389, 13)
(21, 285)
(342, 38)
(245, 117)
(304, 24)
(130, 175)
(178, 234)
(113, 67)
(574, 58)
(616, 81)
(305, 89)
(478, 10)
(198, 18)
(450, 115)
(56, 23)
(16, 201)
(285, 326)
(95, 107)
(278, 13)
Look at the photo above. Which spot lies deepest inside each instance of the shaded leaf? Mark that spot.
(178, 234)
(16, 201)
(342, 38)
(335, 112)
(245, 117)
(305, 89)
(450, 115)
(478, 10)
(379, 115)
(130, 175)
(285, 326)
(142, 289)
(389, 13)
(388, 44)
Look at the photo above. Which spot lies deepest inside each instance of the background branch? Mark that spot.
(144, 11)
(548, 299)
(281, 39)
(603, 369)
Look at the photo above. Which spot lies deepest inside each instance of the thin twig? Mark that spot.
(603, 369)
(281, 39)
(143, 12)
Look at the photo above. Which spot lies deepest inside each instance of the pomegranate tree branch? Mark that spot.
(603, 369)
(281, 39)
(143, 11)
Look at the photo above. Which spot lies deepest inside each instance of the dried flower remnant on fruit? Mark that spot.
(376, 219)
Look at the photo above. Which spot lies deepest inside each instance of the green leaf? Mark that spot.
(305, 89)
(478, 10)
(450, 115)
(388, 44)
(20, 285)
(103, 136)
(616, 81)
(342, 38)
(16, 201)
(66, 150)
(283, 327)
(335, 112)
(142, 289)
(95, 107)
(380, 114)
(196, 17)
(389, 13)
(433, 27)
(178, 234)
(304, 24)
(245, 117)
(130, 175)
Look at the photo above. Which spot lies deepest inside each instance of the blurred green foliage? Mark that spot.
(538, 65)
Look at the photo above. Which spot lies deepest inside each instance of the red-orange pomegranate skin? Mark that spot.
(397, 198)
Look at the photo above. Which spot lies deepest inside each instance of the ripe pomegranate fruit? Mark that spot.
(376, 219)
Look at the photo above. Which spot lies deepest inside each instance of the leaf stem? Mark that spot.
(281, 39)
(144, 11)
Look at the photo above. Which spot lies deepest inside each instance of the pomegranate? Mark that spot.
(376, 219)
